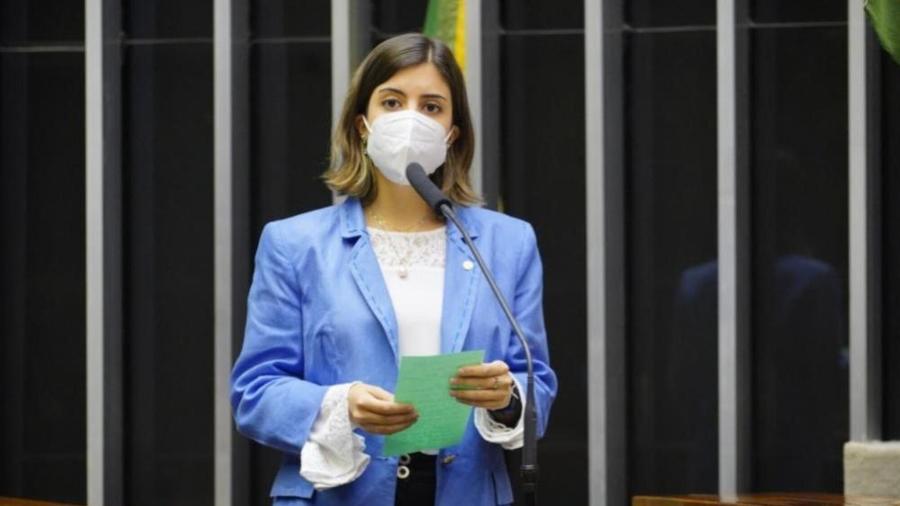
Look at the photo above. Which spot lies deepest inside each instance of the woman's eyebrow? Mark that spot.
(400, 92)
(392, 90)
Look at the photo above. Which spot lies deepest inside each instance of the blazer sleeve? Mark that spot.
(529, 310)
(271, 402)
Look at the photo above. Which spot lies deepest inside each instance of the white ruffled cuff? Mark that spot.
(333, 455)
(492, 431)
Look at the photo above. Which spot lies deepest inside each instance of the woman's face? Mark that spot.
(419, 88)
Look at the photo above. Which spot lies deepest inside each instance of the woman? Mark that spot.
(339, 294)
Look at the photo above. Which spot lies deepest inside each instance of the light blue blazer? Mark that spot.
(319, 314)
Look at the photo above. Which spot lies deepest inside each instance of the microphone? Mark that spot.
(442, 205)
(425, 188)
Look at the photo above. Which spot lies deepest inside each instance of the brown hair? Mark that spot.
(351, 171)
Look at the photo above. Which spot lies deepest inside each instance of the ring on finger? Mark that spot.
(496, 384)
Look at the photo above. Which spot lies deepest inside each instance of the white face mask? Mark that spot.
(397, 139)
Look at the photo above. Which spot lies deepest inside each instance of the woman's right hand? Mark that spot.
(375, 411)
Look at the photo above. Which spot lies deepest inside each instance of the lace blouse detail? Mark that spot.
(333, 454)
(409, 249)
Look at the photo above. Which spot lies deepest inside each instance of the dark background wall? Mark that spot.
(167, 161)
(890, 173)
(798, 129)
(670, 157)
(42, 250)
(799, 181)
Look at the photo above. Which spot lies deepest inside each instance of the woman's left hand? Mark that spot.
(486, 386)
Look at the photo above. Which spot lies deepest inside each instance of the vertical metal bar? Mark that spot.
(727, 299)
(341, 71)
(733, 249)
(593, 96)
(863, 235)
(491, 99)
(349, 42)
(103, 253)
(605, 199)
(222, 244)
(93, 50)
(596, 259)
(728, 415)
(857, 221)
(474, 88)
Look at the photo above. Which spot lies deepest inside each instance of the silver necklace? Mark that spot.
(404, 259)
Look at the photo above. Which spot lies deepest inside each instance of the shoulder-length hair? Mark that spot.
(350, 171)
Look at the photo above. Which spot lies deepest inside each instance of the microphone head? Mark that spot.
(425, 187)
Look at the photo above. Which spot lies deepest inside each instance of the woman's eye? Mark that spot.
(432, 108)
(391, 103)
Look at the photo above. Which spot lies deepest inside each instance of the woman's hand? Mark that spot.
(375, 411)
(486, 386)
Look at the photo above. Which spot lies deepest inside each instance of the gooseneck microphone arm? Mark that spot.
(441, 204)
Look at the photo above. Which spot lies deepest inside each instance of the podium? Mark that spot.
(13, 501)
(773, 499)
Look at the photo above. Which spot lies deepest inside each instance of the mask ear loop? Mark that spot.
(447, 137)
(365, 138)
(370, 166)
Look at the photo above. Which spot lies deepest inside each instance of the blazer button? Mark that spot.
(468, 265)
(448, 459)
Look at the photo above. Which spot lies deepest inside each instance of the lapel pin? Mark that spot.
(468, 265)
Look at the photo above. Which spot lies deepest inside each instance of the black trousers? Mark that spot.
(418, 488)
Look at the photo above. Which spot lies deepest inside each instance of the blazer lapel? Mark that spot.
(461, 277)
(367, 273)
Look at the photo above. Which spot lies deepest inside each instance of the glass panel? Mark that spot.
(542, 182)
(290, 18)
(41, 21)
(169, 273)
(890, 159)
(535, 15)
(42, 276)
(799, 171)
(290, 129)
(167, 19)
(673, 271)
(779, 11)
(654, 13)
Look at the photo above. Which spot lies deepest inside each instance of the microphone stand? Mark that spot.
(529, 467)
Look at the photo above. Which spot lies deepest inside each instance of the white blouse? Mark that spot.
(412, 264)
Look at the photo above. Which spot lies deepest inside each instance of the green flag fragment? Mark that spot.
(885, 18)
(440, 20)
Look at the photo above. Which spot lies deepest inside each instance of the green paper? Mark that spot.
(425, 383)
